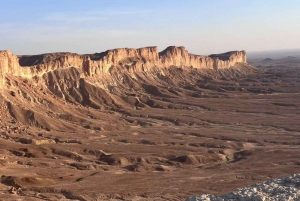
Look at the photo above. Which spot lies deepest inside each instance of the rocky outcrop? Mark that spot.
(276, 189)
(178, 56)
(9, 63)
(134, 60)
(228, 59)
(142, 59)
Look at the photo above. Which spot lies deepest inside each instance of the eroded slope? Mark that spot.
(137, 130)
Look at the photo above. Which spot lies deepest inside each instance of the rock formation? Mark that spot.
(275, 189)
(136, 115)
(135, 60)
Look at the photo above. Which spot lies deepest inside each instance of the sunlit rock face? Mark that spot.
(134, 60)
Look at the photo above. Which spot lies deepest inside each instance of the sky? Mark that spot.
(202, 26)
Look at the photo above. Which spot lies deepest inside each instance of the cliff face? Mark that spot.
(9, 63)
(135, 60)
(138, 59)
(228, 59)
(178, 56)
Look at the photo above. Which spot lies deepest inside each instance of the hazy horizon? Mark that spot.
(203, 27)
(254, 54)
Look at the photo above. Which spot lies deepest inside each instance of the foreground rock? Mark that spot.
(275, 189)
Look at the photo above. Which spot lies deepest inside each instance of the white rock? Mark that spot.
(272, 190)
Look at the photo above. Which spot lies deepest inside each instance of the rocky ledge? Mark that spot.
(134, 60)
(287, 189)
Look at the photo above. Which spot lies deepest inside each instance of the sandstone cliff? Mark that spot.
(134, 60)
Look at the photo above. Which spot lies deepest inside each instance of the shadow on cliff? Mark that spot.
(61, 99)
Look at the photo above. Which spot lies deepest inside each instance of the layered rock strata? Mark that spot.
(135, 60)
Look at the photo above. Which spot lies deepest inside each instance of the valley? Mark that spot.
(149, 126)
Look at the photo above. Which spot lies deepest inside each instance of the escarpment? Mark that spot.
(134, 60)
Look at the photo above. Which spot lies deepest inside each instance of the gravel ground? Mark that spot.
(273, 190)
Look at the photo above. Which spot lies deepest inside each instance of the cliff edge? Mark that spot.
(135, 60)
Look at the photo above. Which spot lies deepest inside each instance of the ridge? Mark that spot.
(141, 59)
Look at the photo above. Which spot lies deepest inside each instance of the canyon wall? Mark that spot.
(135, 60)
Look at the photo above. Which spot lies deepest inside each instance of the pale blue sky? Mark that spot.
(202, 26)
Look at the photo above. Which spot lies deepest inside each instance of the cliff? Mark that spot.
(135, 60)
